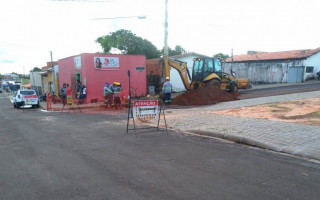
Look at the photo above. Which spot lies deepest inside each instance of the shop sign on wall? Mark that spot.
(106, 63)
(145, 109)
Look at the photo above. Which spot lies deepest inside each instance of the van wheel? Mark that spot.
(213, 83)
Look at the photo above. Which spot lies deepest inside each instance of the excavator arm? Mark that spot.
(181, 67)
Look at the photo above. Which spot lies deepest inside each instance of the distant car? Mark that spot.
(26, 97)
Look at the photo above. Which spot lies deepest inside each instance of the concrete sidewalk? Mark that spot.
(296, 139)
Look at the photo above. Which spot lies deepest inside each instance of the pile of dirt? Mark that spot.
(204, 96)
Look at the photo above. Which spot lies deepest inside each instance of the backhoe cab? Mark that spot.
(207, 72)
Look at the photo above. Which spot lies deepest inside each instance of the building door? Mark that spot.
(295, 74)
(78, 76)
(58, 86)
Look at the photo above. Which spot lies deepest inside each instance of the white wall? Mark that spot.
(312, 61)
(56, 69)
(45, 84)
(260, 71)
(175, 78)
(35, 79)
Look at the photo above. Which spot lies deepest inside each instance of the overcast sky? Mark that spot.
(30, 29)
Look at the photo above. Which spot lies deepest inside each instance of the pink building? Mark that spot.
(94, 69)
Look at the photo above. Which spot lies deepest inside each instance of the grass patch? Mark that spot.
(274, 105)
(278, 108)
(316, 114)
(306, 116)
(299, 103)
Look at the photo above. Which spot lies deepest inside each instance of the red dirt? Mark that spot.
(204, 96)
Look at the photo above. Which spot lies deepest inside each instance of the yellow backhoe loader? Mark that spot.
(206, 72)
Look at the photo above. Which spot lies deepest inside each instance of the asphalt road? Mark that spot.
(46, 155)
(273, 91)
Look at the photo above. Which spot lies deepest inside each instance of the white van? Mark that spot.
(25, 97)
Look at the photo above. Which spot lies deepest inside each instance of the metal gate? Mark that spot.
(73, 85)
(295, 74)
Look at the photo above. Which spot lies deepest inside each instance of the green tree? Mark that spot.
(178, 50)
(128, 43)
(221, 56)
(35, 69)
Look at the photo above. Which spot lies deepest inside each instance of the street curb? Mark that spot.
(43, 108)
(271, 85)
(257, 143)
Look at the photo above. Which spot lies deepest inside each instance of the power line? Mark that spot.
(102, 1)
(128, 17)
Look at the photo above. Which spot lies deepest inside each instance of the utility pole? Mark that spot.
(231, 61)
(53, 74)
(166, 68)
(165, 51)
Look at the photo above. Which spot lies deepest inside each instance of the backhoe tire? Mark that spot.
(233, 87)
(213, 83)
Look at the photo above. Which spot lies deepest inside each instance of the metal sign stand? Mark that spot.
(164, 116)
(130, 115)
(70, 107)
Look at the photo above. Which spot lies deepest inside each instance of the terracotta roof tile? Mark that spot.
(282, 55)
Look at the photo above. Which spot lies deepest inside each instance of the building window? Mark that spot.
(309, 69)
(140, 69)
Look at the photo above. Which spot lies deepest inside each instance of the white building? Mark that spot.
(175, 78)
(36, 81)
(275, 67)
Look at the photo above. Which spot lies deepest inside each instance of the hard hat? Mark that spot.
(167, 78)
(107, 83)
(114, 83)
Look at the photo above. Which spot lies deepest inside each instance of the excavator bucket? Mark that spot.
(244, 84)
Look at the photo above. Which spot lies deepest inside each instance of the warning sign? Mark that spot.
(145, 109)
